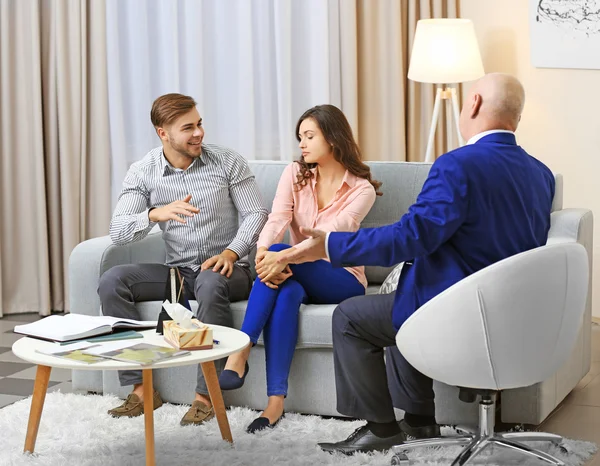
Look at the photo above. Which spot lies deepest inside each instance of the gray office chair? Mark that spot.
(512, 324)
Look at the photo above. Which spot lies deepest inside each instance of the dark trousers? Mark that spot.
(274, 312)
(122, 286)
(367, 386)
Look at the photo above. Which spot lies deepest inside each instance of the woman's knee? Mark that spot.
(279, 247)
(291, 290)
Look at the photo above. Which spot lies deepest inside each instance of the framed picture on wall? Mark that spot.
(565, 33)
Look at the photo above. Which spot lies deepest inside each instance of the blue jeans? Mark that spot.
(275, 312)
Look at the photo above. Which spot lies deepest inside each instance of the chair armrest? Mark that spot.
(90, 259)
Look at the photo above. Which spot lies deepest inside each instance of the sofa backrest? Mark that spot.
(402, 182)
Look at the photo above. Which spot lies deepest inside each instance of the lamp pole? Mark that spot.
(449, 95)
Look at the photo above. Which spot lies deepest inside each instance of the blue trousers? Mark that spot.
(275, 312)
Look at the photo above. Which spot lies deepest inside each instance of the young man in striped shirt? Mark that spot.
(195, 192)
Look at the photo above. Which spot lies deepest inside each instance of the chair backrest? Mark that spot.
(510, 325)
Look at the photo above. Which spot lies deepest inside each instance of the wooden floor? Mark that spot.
(578, 416)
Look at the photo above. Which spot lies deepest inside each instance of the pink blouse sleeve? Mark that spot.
(349, 218)
(282, 211)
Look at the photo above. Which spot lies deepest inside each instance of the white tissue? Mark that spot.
(179, 314)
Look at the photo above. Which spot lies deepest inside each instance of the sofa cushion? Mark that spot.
(315, 320)
(314, 329)
(391, 282)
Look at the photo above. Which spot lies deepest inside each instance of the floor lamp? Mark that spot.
(444, 51)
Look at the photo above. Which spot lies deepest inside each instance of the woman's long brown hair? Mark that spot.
(337, 132)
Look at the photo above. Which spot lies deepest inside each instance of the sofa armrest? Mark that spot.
(572, 225)
(90, 259)
(576, 225)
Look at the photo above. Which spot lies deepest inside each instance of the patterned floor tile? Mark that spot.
(7, 339)
(20, 387)
(8, 325)
(56, 375)
(9, 368)
(29, 317)
(66, 387)
(6, 400)
(9, 356)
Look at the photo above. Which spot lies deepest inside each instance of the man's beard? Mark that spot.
(183, 149)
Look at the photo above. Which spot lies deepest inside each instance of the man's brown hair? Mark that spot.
(167, 108)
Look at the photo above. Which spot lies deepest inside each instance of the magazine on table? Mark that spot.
(140, 353)
(73, 352)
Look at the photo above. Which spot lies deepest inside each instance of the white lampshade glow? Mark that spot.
(445, 51)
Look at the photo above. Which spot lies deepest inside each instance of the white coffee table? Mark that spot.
(230, 341)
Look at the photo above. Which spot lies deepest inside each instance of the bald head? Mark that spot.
(494, 102)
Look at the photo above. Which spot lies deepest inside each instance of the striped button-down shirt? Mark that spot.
(222, 187)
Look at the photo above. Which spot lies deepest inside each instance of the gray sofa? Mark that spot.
(312, 387)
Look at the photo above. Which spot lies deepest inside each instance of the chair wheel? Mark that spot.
(400, 459)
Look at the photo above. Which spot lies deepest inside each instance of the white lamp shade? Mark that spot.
(445, 51)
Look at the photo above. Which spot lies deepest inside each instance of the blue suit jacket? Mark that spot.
(480, 204)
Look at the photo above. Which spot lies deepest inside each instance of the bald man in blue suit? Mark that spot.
(481, 203)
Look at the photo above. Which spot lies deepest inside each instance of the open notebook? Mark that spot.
(77, 326)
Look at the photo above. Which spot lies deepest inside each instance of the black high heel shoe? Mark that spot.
(230, 380)
(262, 423)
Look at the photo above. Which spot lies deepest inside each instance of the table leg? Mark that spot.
(216, 397)
(42, 376)
(149, 415)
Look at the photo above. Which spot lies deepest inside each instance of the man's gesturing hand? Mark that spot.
(223, 262)
(307, 251)
(173, 211)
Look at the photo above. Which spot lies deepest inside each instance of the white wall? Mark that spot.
(561, 123)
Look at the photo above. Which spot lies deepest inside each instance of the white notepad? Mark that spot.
(77, 326)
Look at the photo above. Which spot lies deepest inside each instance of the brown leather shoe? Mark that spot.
(133, 406)
(198, 414)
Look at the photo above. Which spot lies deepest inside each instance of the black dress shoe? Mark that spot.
(365, 441)
(262, 423)
(415, 433)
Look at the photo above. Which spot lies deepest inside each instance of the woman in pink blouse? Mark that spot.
(331, 189)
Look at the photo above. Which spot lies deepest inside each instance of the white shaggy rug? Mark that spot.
(75, 430)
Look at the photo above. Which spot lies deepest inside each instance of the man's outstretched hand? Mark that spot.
(309, 251)
(174, 211)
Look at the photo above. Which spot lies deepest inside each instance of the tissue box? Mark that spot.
(199, 337)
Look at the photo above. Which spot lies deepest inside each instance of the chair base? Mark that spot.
(475, 443)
